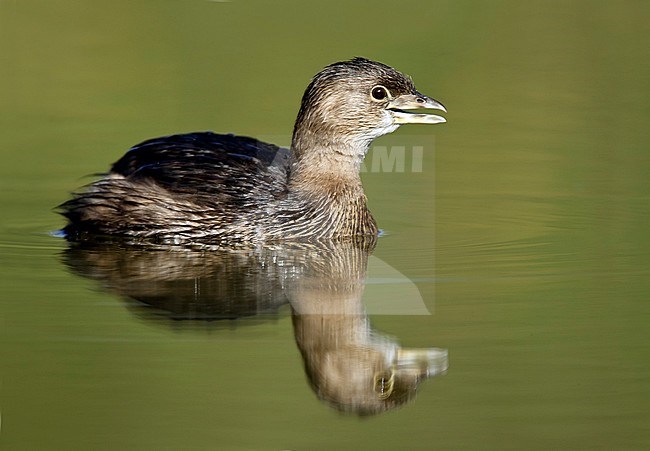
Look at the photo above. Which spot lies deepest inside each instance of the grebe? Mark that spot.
(211, 188)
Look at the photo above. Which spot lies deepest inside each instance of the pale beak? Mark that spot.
(398, 105)
(422, 361)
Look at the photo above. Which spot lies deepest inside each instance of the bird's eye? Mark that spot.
(379, 93)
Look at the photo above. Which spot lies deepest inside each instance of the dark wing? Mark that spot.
(208, 167)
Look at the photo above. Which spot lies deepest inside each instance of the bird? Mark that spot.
(211, 188)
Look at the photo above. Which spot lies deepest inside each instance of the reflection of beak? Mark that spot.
(397, 106)
(427, 361)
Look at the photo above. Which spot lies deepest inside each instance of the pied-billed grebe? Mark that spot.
(205, 187)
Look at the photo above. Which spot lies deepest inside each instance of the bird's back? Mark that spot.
(175, 185)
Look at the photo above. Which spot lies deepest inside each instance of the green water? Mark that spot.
(526, 231)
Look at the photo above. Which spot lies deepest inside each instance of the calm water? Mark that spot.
(518, 243)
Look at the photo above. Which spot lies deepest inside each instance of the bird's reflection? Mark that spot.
(349, 365)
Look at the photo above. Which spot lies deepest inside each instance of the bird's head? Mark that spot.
(359, 100)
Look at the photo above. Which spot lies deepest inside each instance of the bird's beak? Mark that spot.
(422, 361)
(398, 105)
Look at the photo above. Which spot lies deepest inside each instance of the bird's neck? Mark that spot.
(323, 160)
(325, 175)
